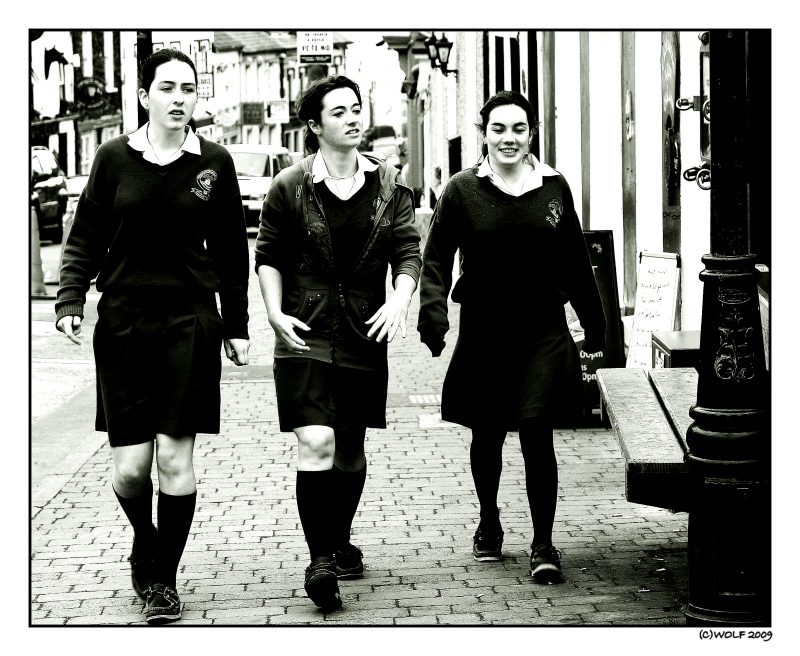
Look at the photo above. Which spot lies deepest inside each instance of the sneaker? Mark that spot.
(163, 605)
(321, 585)
(348, 563)
(143, 566)
(487, 545)
(545, 563)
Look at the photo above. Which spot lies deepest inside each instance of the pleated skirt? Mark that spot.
(511, 365)
(157, 356)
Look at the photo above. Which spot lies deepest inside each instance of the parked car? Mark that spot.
(256, 165)
(48, 194)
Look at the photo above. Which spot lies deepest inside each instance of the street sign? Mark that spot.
(315, 47)
(252, 113)
(277, 111)
(205, 85)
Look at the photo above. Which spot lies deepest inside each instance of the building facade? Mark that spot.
(608, 122)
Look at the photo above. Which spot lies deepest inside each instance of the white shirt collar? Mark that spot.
(319, 170)
(138, 141)
(533, 181)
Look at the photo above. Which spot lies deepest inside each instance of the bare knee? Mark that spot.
(315, 447)
(132, 466)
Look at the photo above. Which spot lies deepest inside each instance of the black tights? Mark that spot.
(541, 473)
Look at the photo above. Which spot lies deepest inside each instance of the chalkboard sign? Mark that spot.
(601, 254)
(654, 308)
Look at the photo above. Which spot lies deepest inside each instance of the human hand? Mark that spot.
(70, 325)
(390, 317)
(434, 343)
(236, 349)
(284, 327)
(591, 346)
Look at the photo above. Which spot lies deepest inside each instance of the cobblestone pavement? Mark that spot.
(624, 564)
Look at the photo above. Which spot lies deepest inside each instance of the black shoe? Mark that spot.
(143, 566)
(349, 563)
(488, 545)
(321, 585)
(163, 605)
(545, 563)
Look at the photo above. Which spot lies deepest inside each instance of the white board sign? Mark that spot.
(654, 308)
(314, 48)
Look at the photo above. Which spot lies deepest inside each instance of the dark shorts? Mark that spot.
(158, 365)
(314, 393)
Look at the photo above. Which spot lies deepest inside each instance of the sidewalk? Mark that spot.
(244, 562)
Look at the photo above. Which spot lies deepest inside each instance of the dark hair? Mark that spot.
(309, 103)
(507, 98)
(147, 71)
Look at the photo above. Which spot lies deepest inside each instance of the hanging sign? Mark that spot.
(277, 111)
(315, 48)
(205, 85)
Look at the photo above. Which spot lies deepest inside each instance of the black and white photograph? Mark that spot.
(402, 328)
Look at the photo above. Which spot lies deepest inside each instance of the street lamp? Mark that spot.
(439, 52)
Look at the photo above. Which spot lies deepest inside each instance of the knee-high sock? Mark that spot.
(541, 475)
(486, 463)
(348, 487)
(175, 516)
(139, 511)
(314, 493)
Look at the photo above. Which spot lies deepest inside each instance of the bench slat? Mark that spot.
(655, 472)
(677, 389)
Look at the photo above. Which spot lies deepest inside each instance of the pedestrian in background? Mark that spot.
(160, 225)
(329, 227)
(436, 187)
(515, 365)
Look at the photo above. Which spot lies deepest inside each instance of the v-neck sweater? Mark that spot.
(519, 254)
(139, 226)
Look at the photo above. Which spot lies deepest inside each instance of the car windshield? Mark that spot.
(255, 165)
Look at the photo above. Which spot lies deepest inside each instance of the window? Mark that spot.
(109, 133)
(87, 152)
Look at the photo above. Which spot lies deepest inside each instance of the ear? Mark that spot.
(314, 126)
(144, 98)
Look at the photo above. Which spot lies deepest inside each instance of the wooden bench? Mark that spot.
(649, 412)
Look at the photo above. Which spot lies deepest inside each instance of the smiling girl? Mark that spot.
(515, 365)
(160, 225)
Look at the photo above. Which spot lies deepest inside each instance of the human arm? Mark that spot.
(84, 250)
(582, 288)
(271, 283)
(436, 277)
(226, 242)
(392, 314)
(236, 350)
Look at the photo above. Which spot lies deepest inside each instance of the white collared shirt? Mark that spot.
(533, 181)
(320, 172)
(139, 141)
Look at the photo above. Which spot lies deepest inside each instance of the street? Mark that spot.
(624, 564)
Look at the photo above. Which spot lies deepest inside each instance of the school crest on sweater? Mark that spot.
(205, 179)
(556, 208)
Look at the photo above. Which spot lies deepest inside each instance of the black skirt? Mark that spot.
(157, 354)
(315, 393)
(511, 364)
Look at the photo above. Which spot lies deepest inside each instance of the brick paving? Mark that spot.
(624, 564)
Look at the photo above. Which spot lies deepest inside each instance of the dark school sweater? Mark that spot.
(140, 226)
(350, 221)
(519, 253)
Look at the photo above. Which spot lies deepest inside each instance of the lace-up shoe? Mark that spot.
(545, 563)
(321, 585)
(487, 545)
(163, 605)
(143, 566)
(349, 564)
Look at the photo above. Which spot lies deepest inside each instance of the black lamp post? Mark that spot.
(729, 441)
(282, 64)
